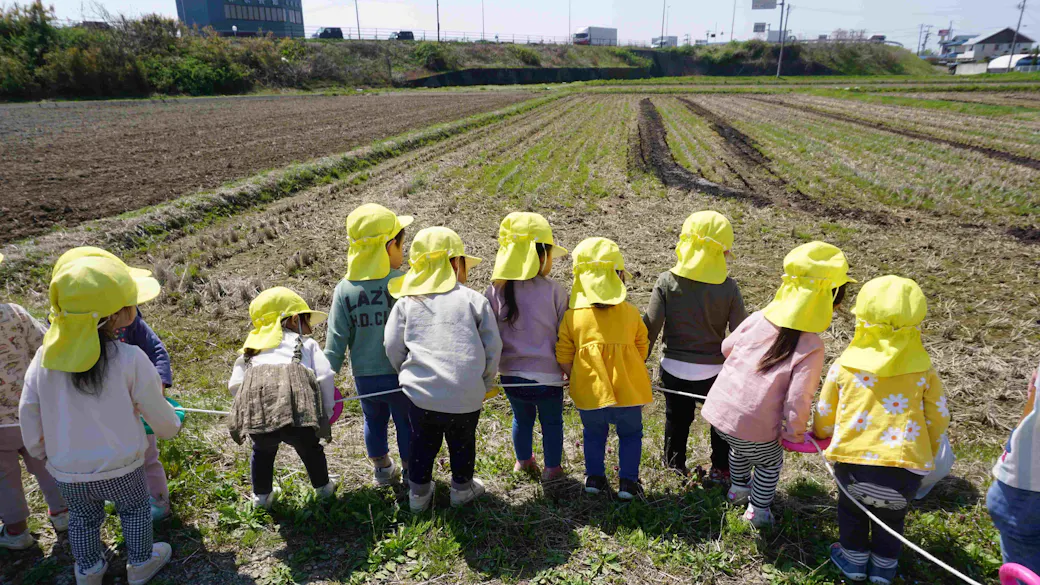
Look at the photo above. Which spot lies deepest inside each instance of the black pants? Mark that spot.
(265, 449)
(887, 493)
(678, 416)
(429, 430)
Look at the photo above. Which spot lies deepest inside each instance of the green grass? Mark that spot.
(973, 109)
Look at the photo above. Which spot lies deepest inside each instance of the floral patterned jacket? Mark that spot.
(896, 421)
(20, 337)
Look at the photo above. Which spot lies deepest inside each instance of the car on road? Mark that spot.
(405, 35)
(329, 33)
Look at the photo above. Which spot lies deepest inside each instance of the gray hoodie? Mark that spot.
(445, 348)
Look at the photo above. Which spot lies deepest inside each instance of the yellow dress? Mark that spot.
(894, 421)
(608, 349)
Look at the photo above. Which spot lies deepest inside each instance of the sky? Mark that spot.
(635, 19)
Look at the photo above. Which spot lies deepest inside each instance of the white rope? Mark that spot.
(677, 393)
(15, 425)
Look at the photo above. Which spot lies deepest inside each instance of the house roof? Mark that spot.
(958, 40)
(1002, 62)
(981, 39)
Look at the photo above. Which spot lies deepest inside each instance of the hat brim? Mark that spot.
(136, 273)
(405, 221)
(316, 317)
(472, 261)
(147, 289)
(559, 251)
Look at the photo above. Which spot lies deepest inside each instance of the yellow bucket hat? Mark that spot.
(140, 275)
(517, 257)
(431, 271)
(805, 300)
(596, 281)
(82, 293)
(370, 227)
(706, 237)
(267, 311)
(887, 340)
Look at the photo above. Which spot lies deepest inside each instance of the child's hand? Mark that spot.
(492, 393)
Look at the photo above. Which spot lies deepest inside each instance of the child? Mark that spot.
(284, 392)
(360, 307)
(20, 337)
(603, 346)
(884, 406)
(443, 341)
(772, 370)
(529, 307)
(79, 410)
(1014, 498)
(141, 335)
(694, 303)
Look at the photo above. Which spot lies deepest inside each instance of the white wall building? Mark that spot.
(994, 44)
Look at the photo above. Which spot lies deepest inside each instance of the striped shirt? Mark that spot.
(1019, 466)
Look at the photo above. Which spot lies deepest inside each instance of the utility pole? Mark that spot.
(1014, 43)
(733, 21)
(667, 21)
(357, 15)
(664, 10)
(783, 36)
(570, 31)
(481, 19)
(920, 33)
(924, 46)
(438, 21)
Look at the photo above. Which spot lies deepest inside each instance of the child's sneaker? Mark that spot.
(60, 521)
(595, 484)
(851, 569)
(529, 467)
(881, 570)
(13, 542)
(718, 476)
(388, 475)
(758, 517)
(738, 495)
(141, 574)
(160, 509)
(92, 576)
(417, 503)
(629, 490)
(463, 497)
(266, 501)
(326, 491)
(550, 474)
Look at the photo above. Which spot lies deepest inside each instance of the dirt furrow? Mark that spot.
(990, 152)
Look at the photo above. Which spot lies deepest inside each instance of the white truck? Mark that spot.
(596, 35)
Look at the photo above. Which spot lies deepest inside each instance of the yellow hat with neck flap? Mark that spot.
(805, 300)
(429, 259)
(597, 262)
(518, 237)
(370, 227)
(268, 310)
(705, 239)
(887, 341)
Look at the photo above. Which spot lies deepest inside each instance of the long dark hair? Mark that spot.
(90, 381)
(787, 341)
(509, 288)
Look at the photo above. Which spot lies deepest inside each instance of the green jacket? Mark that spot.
(356, 322)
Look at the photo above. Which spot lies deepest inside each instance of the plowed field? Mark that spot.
(61, 164)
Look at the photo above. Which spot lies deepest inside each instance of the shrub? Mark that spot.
(526, 55)
(629, 57)
(15, 78)
(436, 56)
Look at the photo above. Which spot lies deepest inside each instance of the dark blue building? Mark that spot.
(284, 18)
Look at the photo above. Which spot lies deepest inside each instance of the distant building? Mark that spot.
(994, 44)
(662, 42)
(284, 18)
(1019, 62)
(773, 36)
(954, 47)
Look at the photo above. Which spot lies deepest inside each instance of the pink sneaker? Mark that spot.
(553, 473)
(529, 467)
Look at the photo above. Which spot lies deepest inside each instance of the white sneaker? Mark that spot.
(388, 475)
(326, 491)
(267, 500)
(92, 576)
(738, 495)
(419, 503)
(12, 542)
(141, 574)
(758, 517)
(463, 497)
(60, 522)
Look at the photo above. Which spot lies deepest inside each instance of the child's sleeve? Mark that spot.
(805, 379)
(238, 375)
(154, 348)
(827, 407)
(325, 376)
(936, 411)
(654, 320)
(340, 330)
(642, 338)
(29, 414)
(146, 392)
(737, 311)
(393, 336)
(487, 327)
(563, 301)
(565, 342)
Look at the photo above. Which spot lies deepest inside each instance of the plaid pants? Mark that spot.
(87, 511)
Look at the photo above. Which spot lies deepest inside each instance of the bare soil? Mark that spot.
(61, 164)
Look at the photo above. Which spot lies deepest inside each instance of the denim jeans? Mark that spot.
(628, 422)
(541, 402)
(1016, 514)
(378, 412)
(265, 449)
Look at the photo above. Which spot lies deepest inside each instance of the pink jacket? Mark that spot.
(761, 407)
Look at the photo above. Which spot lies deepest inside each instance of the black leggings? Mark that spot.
(678, 416)
(265, 449)
(429, 430)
